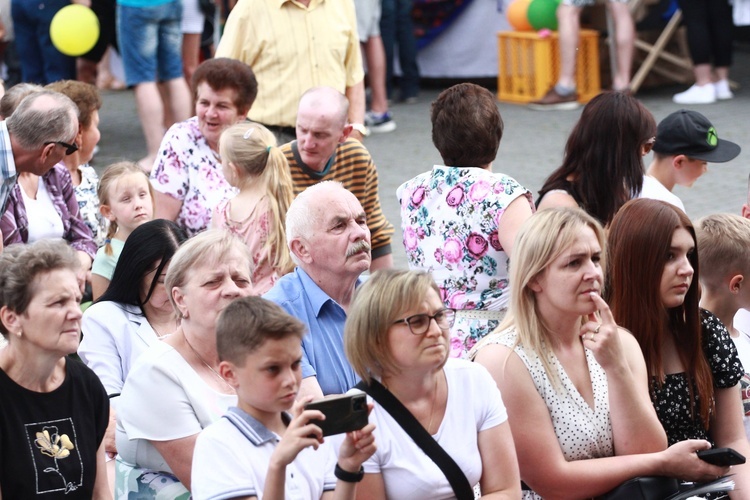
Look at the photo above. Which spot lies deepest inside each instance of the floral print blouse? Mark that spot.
(449, 218)
(88, 203)
(188, 169)
(672, 399)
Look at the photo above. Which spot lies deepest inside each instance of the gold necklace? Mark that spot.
(432, 410)
(204, 362)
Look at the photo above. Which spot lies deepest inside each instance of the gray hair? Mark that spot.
(14, 95)
(208, 248)
(41, 117)
(300, 218)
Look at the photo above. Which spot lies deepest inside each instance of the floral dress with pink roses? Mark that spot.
(187, 169)
(449, 218)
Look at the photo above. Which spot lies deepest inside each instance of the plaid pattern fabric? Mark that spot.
(7, 167)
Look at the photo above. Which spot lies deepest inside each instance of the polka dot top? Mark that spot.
(581, 431)
(672, 399)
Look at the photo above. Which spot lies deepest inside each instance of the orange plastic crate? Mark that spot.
(530, 65)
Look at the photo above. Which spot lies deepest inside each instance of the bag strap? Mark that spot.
(421, 437)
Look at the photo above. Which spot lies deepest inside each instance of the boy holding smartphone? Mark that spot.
(257, 448)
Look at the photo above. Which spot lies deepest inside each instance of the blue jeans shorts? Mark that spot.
(150, 42)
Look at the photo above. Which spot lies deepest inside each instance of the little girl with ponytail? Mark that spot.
(253, 164)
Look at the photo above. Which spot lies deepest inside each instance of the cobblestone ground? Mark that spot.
(531, 148)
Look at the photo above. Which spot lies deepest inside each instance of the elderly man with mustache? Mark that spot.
(328, 237)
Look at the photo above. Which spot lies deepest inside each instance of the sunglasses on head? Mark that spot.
(69, 148)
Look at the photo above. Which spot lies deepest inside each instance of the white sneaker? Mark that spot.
(723, 91)
(697, 94)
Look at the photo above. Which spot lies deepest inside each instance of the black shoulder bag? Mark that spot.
(421, 437)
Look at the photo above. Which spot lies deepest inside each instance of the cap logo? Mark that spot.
(713, 138)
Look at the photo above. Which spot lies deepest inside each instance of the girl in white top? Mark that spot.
(568, 374)
(397, 331)
(126, 199)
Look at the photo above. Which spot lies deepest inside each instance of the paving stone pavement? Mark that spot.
(532, 144)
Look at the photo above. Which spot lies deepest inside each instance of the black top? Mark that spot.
(48, 441)
(672, 400)
(561, 185)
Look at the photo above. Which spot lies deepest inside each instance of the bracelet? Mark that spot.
(349, 477)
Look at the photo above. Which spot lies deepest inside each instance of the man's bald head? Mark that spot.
(321, 126)
(326, 101)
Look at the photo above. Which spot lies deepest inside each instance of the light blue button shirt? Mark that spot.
(323, 347)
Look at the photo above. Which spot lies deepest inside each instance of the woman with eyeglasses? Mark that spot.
(397, 339)
(603, 163)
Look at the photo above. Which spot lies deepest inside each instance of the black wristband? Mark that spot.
(349, 477)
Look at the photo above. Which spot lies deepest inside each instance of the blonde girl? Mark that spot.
(254, 165)
(126, 199)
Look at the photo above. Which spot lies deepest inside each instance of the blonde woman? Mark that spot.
(397, 336)
(175, 390)
(569, 374)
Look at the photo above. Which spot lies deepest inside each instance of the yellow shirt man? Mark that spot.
(293, 45)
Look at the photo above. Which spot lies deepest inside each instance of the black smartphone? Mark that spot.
(723, 457)
(344, 413)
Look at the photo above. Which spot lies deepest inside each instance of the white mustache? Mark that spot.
(360, 246)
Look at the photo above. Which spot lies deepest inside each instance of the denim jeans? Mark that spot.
(150, 41)
(396, 28)
(40, 61)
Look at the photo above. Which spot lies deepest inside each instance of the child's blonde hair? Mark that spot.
(110, 176)
(252, 149)
(723, 241)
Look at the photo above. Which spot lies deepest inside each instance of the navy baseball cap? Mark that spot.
(689, 133)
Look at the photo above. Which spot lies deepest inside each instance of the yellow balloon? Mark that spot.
(74, 30)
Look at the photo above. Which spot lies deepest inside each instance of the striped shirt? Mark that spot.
(353, 167)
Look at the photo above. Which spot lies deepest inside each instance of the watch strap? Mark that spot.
(349, 477)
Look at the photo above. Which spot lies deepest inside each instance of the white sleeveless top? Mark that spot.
(581, 431)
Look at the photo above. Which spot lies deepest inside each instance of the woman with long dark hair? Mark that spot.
(135, 310)
(693, 368)
(603, 163)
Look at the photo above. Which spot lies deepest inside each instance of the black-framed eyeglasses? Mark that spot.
(420, 323)
(69, 148)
